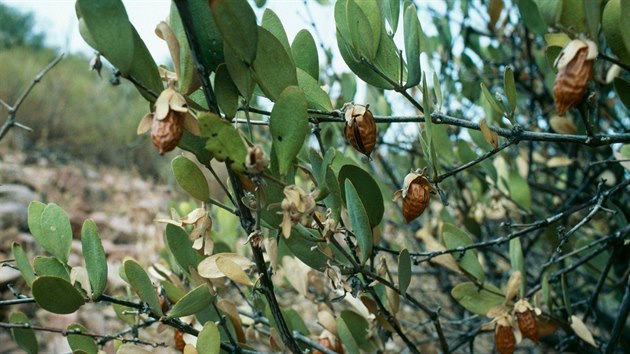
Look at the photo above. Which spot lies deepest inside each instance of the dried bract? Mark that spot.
(255, 161)
(360, 128)
(295, 205)
(575, 67)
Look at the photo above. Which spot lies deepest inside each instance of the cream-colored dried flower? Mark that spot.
(295, 205)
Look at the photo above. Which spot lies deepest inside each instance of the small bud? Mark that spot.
(360, 128)
(255, 160)
(575, 67)
(96, 64)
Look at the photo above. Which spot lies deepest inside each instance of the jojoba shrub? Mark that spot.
(514, 218)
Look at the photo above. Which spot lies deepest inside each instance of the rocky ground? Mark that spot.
(123, 204)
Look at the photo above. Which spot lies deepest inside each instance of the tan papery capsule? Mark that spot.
(360, 129)
(166, 133)
(575, 68)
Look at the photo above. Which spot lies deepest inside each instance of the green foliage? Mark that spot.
(95, 259)
(25, 337)
(288, 126)
(56, 295)
(16, 29)
(190, 178)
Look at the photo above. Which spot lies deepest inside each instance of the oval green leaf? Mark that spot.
(412, 31)
(209, 339)
(196, 300)
(190, 178)
(360, 221)
(180, 245)
(510, 88)
(56, 295)
(404, 271)
(316, 97)
(476, 300)
(468, 262)
(226, 92)
(79, 342)
(56, 236)
(23, 263)
(141, 285)
(110, 29)
(35, 210)
(24, 337)
(224, 141)
(289, 126)
(274, 69)
(367, 189)
(236, 21)
(271, 22)
(50, 266)
(95, 259)
(304, 50)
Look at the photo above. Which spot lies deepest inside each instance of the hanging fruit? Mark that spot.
(575, 67)
(415, 194)
(526, 319)
(360, 128)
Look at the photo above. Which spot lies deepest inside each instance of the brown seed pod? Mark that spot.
(575, 67)
(528, 325)
(504, 339)
(167, 132)
(360, 128)
(178, 337)
(415, 194)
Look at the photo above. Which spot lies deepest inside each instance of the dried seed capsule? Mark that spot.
(575, 67)
(526, 319)
(415, 194)
(178, 337)
(360, 128)
(167, 132)
(504, 339)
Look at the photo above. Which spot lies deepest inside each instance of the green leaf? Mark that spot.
(209, 339)
(316, 97)
(531, 17)
(190, 178)
(306, 247)
(359, 221)
(236, 21)
(358, 328)
(240, 73)
(350, 343)
(391, 12)
(622, 87)
(404, 271)
(453, 238)
(225, 142)
(23, 263)
(412, 30)
(304, 51)
(143, 69)
(368, 190)
(611, 24)
(289, 126)
(519, 190)
(364, 23)
(517, 262)
(35, 210)
(438, 90)
(274, 69)
(141, 285)
(476, 300)
(205, 30)
(490, 99)
(557, 39)
(56, 295)
(196, 300)
(111, 31)
(624, 25)
(24, 337)
(226, 92)
(56, 232)
(593, 15)
(272, 23)
(50, 266)
(78, 342)
(550, 11)
(180, 245)
(95, 259)
(572, 15)
(510, 88)
(188, 80)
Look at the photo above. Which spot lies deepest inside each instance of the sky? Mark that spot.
(57, 19)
